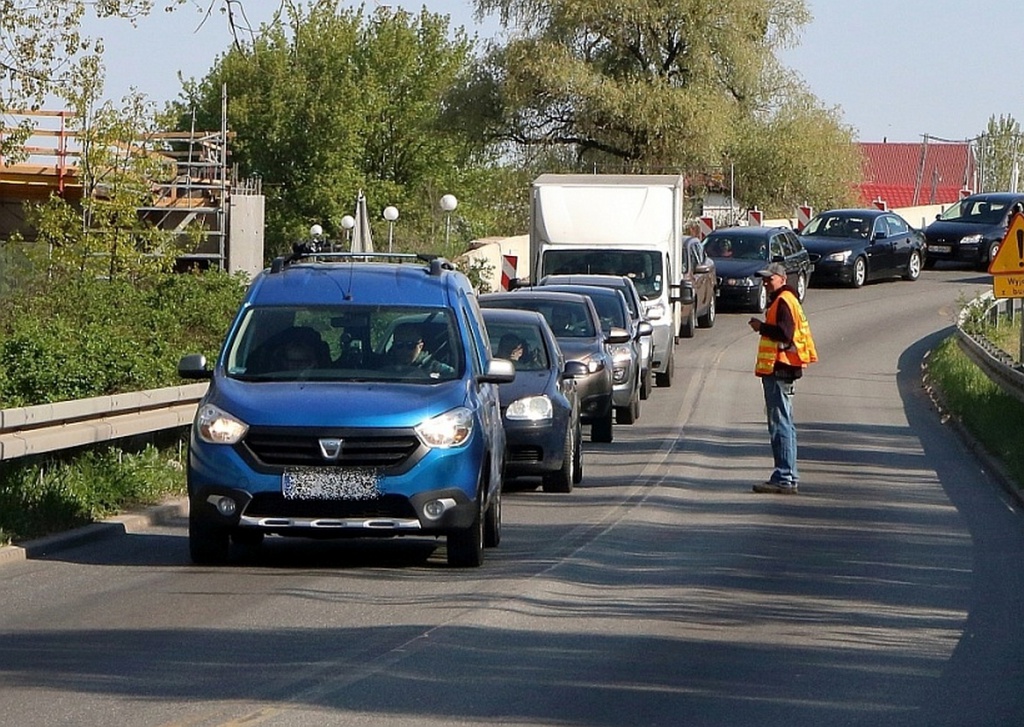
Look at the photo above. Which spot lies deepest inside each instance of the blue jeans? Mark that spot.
(778, 401)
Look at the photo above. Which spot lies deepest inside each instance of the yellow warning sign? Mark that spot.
(1008, 285)
(1010, 258)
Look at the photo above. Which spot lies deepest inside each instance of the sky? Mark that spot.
(895, 70)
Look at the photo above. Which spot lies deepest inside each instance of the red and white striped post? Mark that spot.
(707, 226)
(804, 214)
(508, 269)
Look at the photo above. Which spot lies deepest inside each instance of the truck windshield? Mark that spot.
(643, 267)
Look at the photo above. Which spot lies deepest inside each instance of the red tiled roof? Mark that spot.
(906, 175)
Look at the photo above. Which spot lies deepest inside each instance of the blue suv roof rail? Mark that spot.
(305, 252)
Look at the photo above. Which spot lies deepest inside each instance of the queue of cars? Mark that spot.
(449, 393)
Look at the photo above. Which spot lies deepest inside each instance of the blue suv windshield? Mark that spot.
(346, 343)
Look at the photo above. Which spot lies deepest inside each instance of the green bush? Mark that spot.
(992, 416)
(55, 495)
(98, 337)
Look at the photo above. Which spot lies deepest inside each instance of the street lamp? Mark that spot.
(347, 223)
(316, 232)
(391, 214)
(448, 204)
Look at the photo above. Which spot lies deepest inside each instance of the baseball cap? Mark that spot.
(773, 269)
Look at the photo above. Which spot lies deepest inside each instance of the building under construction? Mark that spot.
(218, 218)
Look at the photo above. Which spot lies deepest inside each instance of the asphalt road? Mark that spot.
(661, 591)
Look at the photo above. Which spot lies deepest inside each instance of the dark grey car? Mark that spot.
(626, 357)
(576, 326)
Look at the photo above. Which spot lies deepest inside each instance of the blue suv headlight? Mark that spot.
(451, 429)
(216, 426)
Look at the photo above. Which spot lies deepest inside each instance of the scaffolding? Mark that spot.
(192, 201)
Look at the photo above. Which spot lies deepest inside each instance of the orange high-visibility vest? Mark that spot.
(800, 354)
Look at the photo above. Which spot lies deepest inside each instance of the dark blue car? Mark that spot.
(351, 398)
(739, 252)
(971, 230)
(541, 407)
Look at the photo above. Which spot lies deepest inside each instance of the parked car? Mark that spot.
(853, 246)
(971, 230)
(700, 274)
(739, 252)
(354, 399)
(626, 358)
(577, 328)
(624, 284)
(541, 407)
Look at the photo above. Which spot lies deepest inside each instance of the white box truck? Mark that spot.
(617, 224)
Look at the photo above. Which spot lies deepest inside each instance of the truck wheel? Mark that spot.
(664, 379)
(207, 543)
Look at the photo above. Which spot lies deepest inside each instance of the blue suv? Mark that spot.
(352, 397)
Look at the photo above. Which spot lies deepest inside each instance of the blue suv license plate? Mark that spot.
(330, 483)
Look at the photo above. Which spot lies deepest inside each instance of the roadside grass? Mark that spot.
(994, 418)
(53, 495)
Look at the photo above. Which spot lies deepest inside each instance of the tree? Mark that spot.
(326, 102)
(999, 154)
(637, 86)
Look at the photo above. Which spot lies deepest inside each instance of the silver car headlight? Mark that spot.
(451, 429)
(215, 426)
(972, 239)
(530, 408)
(838, 257)
(620, 352)
(740, 282)
(655, 311)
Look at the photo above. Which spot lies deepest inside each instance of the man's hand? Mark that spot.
(755, 325)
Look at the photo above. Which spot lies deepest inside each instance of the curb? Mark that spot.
(118, 525)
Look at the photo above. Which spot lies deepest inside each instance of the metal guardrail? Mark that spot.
(32, 430)
(997, 364)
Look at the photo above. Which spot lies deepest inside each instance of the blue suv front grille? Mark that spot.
(290, 448)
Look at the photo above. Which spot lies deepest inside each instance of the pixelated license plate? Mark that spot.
(330, 483)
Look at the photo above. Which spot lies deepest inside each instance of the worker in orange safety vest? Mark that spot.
(784, 350)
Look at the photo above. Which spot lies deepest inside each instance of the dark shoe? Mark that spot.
(775, 488)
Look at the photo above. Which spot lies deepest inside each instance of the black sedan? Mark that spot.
(577, 328)
(971, 230)
(540, 408)
(739, 252)
(853, 246)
